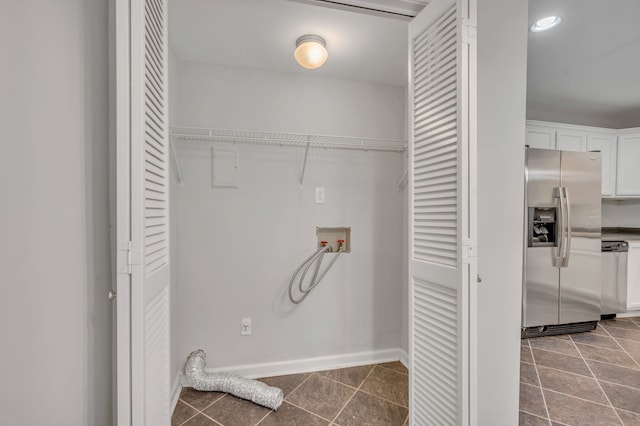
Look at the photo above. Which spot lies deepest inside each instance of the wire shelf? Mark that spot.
(255, 137)
(287, 139)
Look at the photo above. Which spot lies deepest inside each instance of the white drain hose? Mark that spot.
(244, 388)
(315, 280)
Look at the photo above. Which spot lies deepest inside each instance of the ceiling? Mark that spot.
(261, 34)
(585, 71)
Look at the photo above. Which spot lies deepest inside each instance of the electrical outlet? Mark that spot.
(245, 327)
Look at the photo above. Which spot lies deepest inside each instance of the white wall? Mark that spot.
(235, 249)
(219, 96)
(621, 213)
(55, 318)
(580, 119)
(502, 54)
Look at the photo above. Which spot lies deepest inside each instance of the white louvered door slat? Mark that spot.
(150, 382)
(442, 243)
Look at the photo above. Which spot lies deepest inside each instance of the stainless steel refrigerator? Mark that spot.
(562, 264)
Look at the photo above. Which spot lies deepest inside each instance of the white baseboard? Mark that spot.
(176, 388)
(629, 314)
(270, 369)
(404, 358)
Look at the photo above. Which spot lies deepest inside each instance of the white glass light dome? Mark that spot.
(311, 52)
(545, 23)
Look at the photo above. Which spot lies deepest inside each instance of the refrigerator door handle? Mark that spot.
(567, 252)
(558, 260)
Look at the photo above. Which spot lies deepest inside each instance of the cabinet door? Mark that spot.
(538, 137)
(606, 144)
(628, 176)
(633, 276)
(568, 140)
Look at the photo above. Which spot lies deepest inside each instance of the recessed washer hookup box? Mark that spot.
(333, 235)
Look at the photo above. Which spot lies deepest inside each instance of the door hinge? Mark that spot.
(127, 257)
(469, 251)
(469, 31)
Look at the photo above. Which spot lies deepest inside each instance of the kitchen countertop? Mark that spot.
(621, 234)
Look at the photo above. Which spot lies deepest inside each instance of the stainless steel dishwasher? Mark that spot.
(614, 277)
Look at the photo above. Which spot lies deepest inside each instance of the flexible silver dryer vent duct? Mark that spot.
(241, 387)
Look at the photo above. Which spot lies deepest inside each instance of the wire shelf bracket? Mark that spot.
(304, 163)
(402, 183)
(176, 165)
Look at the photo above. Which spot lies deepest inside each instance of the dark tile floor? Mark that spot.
(366, 395)
(582, 379)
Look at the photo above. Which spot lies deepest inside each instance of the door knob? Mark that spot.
(112, 295)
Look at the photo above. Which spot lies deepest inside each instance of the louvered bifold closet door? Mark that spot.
(435, 155)
(150, 213)
(438, 105)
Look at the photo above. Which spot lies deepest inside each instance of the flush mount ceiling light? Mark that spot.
(311, 51)
(544, 24)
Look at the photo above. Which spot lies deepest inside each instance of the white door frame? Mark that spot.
(122, 338)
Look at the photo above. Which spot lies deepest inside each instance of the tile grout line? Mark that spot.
(310, 412)
(555, 352)
(580, 398)
(190, 418)
(637, 341)
(593, 346)
(627, 411)
(622, 347)
(531, 414)
(265, 416)
(301, 383)
(583, 376)
(340, 383)
(556, 422)
(211, 418)
(213, 402)
(364, 391)
(636, 329)
(598, 382)
(190, 406)
(391, 369)
(603, 347)
(542, 418)
(383, 399)
(619, 384)
(544, 400)
(354, 393)
(285, 400)
(627, 340)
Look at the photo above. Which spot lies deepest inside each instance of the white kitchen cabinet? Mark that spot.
(633, 276)
(606, 144)
(568, 140)
(541, 137)
(628, 165)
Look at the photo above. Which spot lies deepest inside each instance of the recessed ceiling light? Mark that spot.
(546, 23)
(311, 51)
